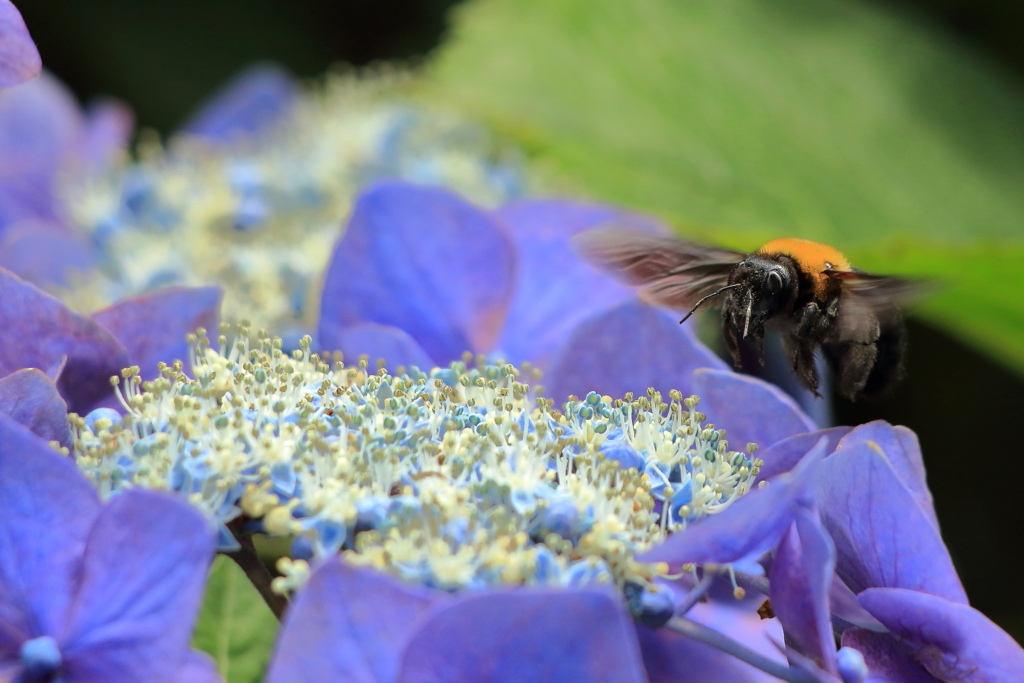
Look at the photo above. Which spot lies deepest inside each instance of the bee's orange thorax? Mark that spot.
(812, 257)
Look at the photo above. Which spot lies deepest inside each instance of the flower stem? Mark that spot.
(695, 594)
(249, 560)
(708, 636)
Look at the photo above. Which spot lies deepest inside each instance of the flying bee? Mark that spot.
(804, 290)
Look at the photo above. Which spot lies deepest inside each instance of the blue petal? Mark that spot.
(615, 447)
(226, 541)
(40, 125)
(560, 516)
(371, 512)
(142, 580)
(883, 539)
(31, 398)
(953, 641)
(283, 478)
(347, 624)
(800, 578)
(252, 101)
(750, 409)
(395, 346)
(153, 326)
(581, 636)
(888, 661)
(629, 346)
(556, 288)
(426, 261)
(752, 525)
(586, 572)
(782, 456)
(109, 124)
(39, 330)
(49, 509)
(904, 453)
(331, 535)
(19, 58)
(199, 667)
(44, 253)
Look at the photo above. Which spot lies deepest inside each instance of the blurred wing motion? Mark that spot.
(668, 271)
(869, 298)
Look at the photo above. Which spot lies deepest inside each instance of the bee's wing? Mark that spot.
(869, 299)
(669, 271)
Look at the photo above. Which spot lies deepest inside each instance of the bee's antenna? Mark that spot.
(709, 296)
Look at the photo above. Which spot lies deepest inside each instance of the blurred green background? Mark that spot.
(892, 129)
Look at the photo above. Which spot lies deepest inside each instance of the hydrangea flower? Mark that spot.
(46, 141)
(81, 353)
(250, 194)
(459, 481)
(94, 592)
(857, 552)
(327, 453)
(19, 58)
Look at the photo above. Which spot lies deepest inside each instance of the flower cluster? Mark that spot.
(456, 479)
(260, 213)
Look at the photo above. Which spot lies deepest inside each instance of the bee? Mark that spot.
(806, 291)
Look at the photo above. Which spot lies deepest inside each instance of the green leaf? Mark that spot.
(744, 120)
(235, 626)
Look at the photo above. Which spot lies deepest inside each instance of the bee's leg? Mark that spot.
(890, 348)
(801, 355)
(852, 362)
(813, 323)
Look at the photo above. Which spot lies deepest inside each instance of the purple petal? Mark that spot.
(557, 289)
(31, 398)
(953, 641)
(904, 453)
(199, 667)
(48, 510)
(844, 605)
(153, 326)
(782, 456)
(800, 579)
(40, 125)
(109, 124)
(376, 341)
(673, 658)
(19, 58)
(581, 636)
(887, 660)
(42, 252)
(348, 624)
(252, 101)
(752, 525)
(628, 347)
(38, 329)
(883, 538)
(425, 261)
(751, 410)
(142, 581)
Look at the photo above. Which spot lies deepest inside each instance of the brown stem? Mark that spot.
(247, 558)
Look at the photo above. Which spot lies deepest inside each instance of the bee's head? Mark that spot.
(764, 287)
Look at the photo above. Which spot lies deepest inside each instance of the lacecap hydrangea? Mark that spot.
(460, 478)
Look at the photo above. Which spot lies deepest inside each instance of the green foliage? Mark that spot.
(235, 626)
(743, 120)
